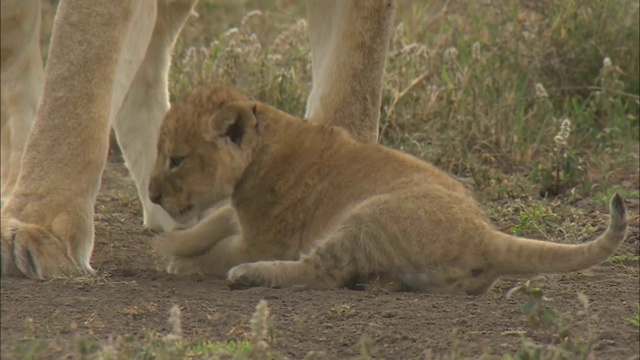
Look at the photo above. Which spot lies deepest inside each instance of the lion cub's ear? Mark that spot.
(234, 122)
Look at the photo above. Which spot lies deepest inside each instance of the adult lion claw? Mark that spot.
(30, 251)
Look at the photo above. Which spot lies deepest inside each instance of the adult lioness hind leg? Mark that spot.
(146, 103)
(22, 79)
(349, 40)
(93, 58)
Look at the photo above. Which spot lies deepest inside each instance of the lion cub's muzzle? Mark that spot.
(155, 198)
(182, 215)
(177, 212)
(155, 194)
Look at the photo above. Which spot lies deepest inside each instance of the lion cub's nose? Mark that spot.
(155, 198)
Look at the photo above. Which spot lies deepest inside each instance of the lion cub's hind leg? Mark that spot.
(358, 250)
(401, 238)
(330, 265)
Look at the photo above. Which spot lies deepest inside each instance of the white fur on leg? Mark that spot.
(136, 127)
(145, 105)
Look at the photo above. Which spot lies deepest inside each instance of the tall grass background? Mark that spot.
(482, 89)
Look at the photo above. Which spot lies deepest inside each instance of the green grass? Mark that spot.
(562, 340)
(533, 220)
(635, 319)
(602, 197)
(157, 346)
(625, 258)
(152, 346)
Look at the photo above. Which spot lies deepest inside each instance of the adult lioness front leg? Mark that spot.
(47, 222)
(349, 40)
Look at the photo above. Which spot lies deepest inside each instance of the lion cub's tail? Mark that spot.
(513, 255)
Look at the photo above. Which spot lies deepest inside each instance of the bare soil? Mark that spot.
(132, 295)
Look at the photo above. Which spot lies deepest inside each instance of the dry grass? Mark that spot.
(479, 88)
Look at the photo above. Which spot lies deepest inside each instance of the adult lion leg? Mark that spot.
(5, 144)
(22, 78)
(146, 103)
(96, 49)
(349, 40)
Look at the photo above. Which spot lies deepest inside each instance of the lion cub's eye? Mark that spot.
(175, 161)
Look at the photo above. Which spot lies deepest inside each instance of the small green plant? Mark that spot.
(624, 258)
(635, 319)
(525, 224)
(565, 168)
(367, 348)
(532, 220)
(31, 350)
(537, 310)
(562, 342)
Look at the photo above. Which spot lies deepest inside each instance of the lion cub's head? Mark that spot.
(205, 143)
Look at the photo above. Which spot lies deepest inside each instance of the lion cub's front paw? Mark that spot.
(183, 266)
(245, 276)
(158, 220)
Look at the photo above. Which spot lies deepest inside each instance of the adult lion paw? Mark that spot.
(29, 250)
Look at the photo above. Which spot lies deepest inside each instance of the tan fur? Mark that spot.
(108, 66)
(47, 222)
(21, 83)
(349, 42)
(319, 209)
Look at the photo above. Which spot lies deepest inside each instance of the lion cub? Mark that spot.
(311, 206)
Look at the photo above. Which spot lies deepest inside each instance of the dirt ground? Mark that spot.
(133, 295)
